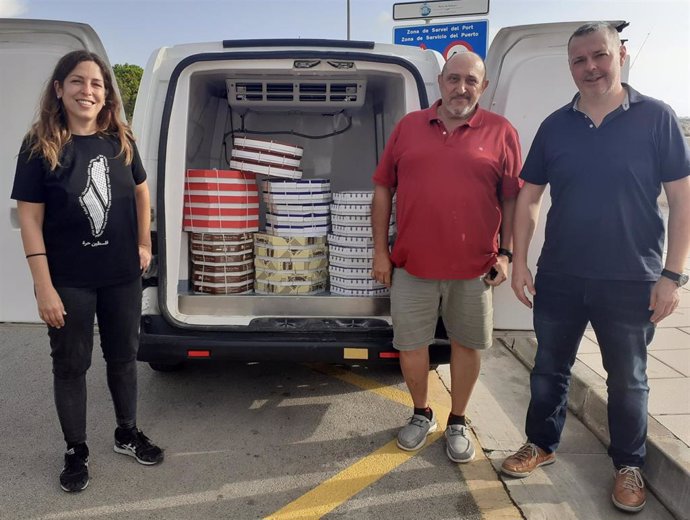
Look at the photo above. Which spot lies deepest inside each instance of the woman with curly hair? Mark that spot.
(84, 213)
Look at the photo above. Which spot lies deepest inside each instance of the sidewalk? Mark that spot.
(577, 487)
(667, 469)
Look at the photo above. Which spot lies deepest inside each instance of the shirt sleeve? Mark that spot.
(534, 169)
(386, 173)
(138, 172)
(674, 152)
(29, 176)
(512, 164)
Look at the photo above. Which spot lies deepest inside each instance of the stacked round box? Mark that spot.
(221, 210)
(351, 245)
(220, 201)
(222, 263)
(268, 158)
(298, 207)
(297, 223)
(296, 265)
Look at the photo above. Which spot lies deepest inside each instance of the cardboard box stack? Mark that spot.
(297, 208)
(291, 257)
(295, 265)
(266, 157)
(221, 210)
(351, 246)
(222, 263)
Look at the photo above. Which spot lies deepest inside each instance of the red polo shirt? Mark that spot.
(448, 187)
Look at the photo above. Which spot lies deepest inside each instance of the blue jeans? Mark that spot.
(117, 309)
(619, 314)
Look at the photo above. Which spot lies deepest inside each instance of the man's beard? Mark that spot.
(461, 113)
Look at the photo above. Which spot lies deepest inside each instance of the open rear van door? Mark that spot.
(529, 78)
(29, 50)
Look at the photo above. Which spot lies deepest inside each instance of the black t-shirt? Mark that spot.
(90, 223)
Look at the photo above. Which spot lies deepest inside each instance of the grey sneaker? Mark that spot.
(412, 436)
(459, 447)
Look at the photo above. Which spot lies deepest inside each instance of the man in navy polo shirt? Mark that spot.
(606, 156)
(454, 168)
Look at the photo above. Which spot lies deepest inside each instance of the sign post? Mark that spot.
(439, 8)
(448, 39)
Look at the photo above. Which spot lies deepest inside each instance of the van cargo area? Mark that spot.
(338, 108)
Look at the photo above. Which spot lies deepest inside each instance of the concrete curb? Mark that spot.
(667, 467)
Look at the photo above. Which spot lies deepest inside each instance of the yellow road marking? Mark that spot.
(482, 482)
(385, 391)
(338, 489)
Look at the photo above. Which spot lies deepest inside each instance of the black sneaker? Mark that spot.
(75, 475)
(135, 444)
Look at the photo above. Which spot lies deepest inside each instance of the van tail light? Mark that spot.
(198, 353)
(389, 355)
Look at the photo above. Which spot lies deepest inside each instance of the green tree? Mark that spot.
(128, 78)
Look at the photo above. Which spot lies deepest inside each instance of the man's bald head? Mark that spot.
(466, 57)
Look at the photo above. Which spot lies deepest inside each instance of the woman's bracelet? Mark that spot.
(36, 254)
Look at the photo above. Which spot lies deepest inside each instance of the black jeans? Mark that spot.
(118, 309)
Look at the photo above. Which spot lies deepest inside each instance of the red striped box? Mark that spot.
(200, 225)
(224, 198)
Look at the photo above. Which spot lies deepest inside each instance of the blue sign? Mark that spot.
(446, 38)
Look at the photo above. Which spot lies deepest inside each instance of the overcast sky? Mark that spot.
(658, 36)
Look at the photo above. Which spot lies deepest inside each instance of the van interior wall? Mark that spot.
(348, 158)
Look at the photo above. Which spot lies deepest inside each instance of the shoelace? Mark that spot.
(141, 441)
(633, 479)
(417, 421)
(527, 451)
(457, 429)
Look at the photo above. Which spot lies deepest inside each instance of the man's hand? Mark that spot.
(501, 269)
(664, 300)
(522, 278)
(382, 268)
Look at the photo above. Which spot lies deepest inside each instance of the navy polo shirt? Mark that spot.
(604, 221)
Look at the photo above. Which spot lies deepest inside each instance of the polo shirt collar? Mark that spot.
(631, 96)
(473, 122)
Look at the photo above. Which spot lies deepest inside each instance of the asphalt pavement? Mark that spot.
(286, 441)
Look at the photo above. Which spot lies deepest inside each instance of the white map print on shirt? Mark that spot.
(96, 199)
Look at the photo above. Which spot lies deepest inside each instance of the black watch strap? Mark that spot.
(506, 252)
(680, 278)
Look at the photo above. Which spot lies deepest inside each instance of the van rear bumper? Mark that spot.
(162, 343)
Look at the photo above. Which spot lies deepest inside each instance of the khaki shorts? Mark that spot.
(464, 305)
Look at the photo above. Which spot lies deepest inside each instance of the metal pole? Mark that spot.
(348, 19)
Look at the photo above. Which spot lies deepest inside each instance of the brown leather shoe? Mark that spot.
(628, 491)
(526, 460)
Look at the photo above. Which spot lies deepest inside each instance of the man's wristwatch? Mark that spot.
(680, 278)
(506, 252)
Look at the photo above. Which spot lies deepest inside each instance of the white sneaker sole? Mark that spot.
(75, 490)
(126, 451)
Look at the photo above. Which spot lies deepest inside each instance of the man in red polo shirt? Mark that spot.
(454, 169)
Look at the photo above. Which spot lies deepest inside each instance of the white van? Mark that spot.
(29, 50)
(338, 100)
